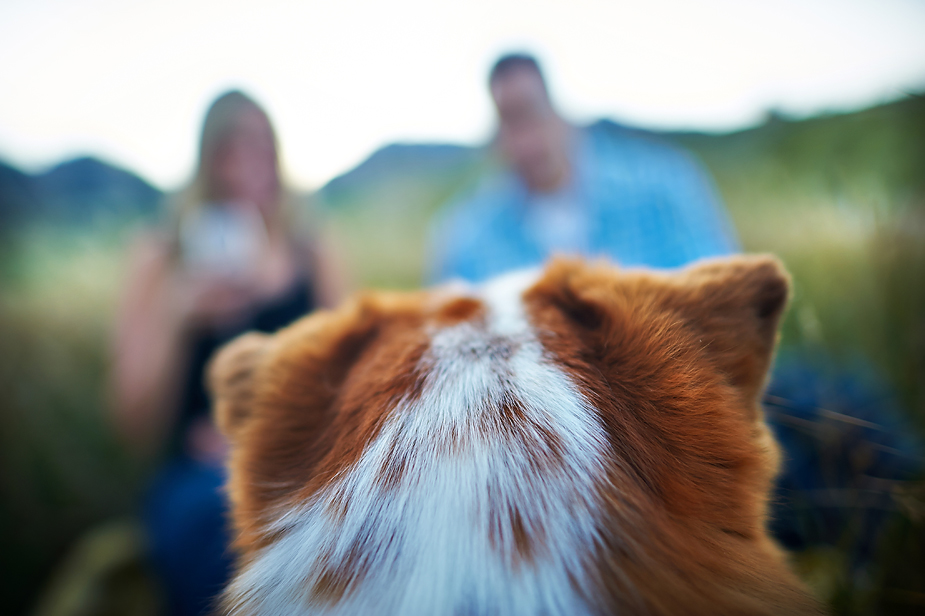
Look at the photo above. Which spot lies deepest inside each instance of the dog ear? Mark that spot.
(276, 398)
(317, 349)
(230, 379)
(735, 306)
(732, 305)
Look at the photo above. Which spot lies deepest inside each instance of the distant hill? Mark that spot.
(76, 191)
(428, 166)
(17, 195)
(81, 187)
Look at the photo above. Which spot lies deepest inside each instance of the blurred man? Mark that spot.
(596, 192)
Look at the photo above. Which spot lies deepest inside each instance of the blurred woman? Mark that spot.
(229, 262)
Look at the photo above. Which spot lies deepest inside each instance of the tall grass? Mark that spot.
(60, 468)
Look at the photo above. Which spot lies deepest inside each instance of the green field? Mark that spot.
(841, 199)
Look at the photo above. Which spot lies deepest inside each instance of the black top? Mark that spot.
(277, 312)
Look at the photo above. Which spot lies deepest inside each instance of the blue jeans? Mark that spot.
(186, 518)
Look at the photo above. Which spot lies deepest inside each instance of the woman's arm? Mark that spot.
(147, 349)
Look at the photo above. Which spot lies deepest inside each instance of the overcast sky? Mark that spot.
(130, 81)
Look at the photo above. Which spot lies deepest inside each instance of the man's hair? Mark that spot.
(513, 62)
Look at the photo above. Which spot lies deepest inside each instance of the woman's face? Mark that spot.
(243, 168)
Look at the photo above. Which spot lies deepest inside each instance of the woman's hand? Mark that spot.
(200, 300)
(205, 443)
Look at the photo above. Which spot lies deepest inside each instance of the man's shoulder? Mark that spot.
(631, 156)
(464, 228)
(610, 140)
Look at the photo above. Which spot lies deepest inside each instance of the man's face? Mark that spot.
(531, 136)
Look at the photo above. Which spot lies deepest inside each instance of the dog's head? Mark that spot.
(573, 440)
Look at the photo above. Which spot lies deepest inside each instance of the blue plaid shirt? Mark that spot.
(638, 202)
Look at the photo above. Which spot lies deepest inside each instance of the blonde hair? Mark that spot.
(221, 120)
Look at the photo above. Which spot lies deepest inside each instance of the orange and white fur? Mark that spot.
(573, 440)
